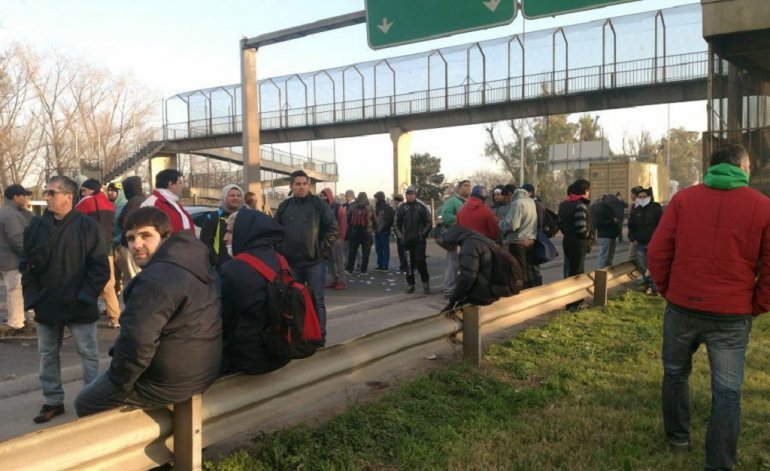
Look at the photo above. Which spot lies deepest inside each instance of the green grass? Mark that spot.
(582, 392)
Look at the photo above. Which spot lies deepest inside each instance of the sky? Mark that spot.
(172, 47)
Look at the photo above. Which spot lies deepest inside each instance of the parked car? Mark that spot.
(198, 214)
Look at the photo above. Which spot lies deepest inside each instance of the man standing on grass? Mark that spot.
(710, 259)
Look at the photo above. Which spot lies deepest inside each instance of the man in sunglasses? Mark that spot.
(64, 268)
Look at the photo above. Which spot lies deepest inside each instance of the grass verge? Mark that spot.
(582, 392)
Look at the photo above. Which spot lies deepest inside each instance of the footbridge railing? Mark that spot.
(132, 439)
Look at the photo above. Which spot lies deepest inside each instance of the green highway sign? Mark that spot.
(395, 22)
(542, 8)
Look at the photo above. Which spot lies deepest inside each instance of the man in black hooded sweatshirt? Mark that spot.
(170, 342)
(244, 293)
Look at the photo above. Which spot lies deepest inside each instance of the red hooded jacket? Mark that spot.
(477, 216)
(711, 251)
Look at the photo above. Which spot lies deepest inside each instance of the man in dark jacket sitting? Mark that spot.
(474, 283)
(170, 342)
(244, 293)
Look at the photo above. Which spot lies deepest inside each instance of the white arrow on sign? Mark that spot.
(492, 5)
(385, 26)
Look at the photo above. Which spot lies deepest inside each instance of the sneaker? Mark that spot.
(338, 286)
(114, 324)
(364, 273)
(426, 288)
(678, 447)
(332, 284)
(28, 332)
(380, 269)
(48, 412)
(410, 289)
(348, 272)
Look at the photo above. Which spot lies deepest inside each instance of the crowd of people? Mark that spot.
(193, 311)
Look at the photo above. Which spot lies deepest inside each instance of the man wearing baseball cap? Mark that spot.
(14, 217)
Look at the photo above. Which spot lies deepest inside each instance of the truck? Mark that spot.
(620, 177)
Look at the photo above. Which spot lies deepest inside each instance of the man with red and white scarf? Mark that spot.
(169, 184)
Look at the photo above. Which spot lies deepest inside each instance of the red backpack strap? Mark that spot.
(284, 268)
(259, 265)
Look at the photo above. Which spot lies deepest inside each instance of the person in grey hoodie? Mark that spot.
(14, 217)
(132, 189)
(519, 231)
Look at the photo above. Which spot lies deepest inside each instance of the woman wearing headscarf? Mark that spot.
(215, 224)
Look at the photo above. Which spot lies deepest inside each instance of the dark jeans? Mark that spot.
(314, 276)
(382, 247)
(524, 254)
(402, 262)
(364, 240)
(726, 338)
(416, 260)
(102, 394)
(574, 264)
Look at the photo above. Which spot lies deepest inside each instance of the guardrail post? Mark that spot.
(600, 288)
(472, 334)
(187, 434)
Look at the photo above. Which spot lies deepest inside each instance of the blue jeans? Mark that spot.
(726, 338)
(49, 340)
(314, 276)
(641, 261)
(382, 247)
(606, 252)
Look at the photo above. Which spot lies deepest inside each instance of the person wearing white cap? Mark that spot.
(14, 217)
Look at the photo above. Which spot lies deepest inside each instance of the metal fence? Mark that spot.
(641, 49)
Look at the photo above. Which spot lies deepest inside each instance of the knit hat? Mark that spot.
(398, 197)
(92, 184)
(479, 191)
(635, 190)
(410, 190)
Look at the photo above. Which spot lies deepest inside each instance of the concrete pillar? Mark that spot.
(402, 159)
(160, 162)
(252, 160)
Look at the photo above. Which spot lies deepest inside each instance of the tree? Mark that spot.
(588, 128)
(686, 154)
(489, 178)
(427, 177)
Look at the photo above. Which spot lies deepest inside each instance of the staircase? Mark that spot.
(144, 153)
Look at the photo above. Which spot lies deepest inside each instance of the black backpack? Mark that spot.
(551, 223)
(292, 328)
(507, 273)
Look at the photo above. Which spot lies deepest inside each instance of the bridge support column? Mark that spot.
(161, 162)
(252, 160)
(402, 159)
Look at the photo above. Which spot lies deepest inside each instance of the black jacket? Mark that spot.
(413, 222)
(603, 217)
(63, 284)
(475, 262)
(244, 295)
(311, 229)
(575, 223)
(132, 188)
(643, 221)
(170, 342)
(384, 216)
(215, 220)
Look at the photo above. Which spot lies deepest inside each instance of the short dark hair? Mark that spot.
(509, 189)
(463, 182)
(249, 193)
(66, 184)
(295, 174)
(147, 216)
(731, 154)
(580, 186)
(164, 177)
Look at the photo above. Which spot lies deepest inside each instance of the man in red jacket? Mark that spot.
(710, 258)
(95, 204)
(169, 184)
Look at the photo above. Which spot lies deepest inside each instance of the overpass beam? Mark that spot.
(160, 162)
(252, 160)
(402, 159)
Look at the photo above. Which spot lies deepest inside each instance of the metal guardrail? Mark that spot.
(133, 439)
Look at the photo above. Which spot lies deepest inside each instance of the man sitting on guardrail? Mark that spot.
(170, 342)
